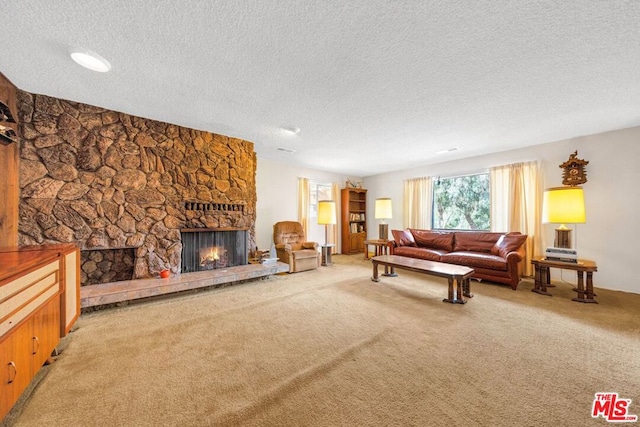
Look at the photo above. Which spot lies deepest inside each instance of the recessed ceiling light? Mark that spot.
(90, 60)
(292, 130)
(448, 150)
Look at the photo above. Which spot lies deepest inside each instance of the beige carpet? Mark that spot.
(330, 347)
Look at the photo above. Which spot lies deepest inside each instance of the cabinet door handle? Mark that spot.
(36, 347)
(15, 373)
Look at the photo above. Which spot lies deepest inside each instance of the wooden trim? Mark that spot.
(10, 166)
(197, 230)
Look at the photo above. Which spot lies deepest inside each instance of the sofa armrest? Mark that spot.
(391, 245)
(514, 257)
(515, 262)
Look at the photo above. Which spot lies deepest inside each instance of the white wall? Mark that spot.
(612, 197)
(277, 187)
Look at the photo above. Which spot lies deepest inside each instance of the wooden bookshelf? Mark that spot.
(354, 220)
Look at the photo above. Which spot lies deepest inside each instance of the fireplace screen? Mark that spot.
(211, 249)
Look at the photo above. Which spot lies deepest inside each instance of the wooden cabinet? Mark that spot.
(354, 220)
(25, 350)
(39, 293)
(15, 366)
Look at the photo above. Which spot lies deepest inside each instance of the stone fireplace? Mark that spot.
(111, 181)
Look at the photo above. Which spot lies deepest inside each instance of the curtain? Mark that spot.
(303, 204)
(417, 203)
(516, 204)
(333, 236)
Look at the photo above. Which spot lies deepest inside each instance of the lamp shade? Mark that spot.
(326, 212)
(563, 205)
(383, 208)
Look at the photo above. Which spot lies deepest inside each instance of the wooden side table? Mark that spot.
(543, 277)
(381, 247)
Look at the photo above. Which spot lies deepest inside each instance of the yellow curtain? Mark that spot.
(516, 204)
(417, 204)
(333, 235)
(303, 204)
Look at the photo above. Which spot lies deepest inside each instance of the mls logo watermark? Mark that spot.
(612, 408)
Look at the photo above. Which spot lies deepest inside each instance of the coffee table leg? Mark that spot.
(389, 271)
(466, 286)
(450, 294)
(375, 272)
(458, 299)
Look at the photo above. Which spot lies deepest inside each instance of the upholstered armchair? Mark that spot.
(292, 247)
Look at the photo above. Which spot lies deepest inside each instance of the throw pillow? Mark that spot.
(403, 237)
(442, 240)
(508, 243)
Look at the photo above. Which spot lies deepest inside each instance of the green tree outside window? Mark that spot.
(462, 203)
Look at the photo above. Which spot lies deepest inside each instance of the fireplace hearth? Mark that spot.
(210, 249)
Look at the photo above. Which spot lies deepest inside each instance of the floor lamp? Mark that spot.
(326, 217)
(561, 205)
(383, 211)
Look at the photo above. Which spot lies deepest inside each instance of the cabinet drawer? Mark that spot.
(20, 297)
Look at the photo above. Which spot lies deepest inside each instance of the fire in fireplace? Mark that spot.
(213, 257)
(208, 249)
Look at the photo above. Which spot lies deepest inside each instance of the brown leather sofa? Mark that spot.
(496, 257)
(292, 247)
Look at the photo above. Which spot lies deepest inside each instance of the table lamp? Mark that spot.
(326, 215)
(383, 211)
(562, 205)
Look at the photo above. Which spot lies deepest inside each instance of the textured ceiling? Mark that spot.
(374, 85)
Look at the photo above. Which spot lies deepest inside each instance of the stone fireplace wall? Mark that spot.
(108, 180)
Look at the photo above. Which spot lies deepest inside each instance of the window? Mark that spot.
(461, 203)
(317, 191)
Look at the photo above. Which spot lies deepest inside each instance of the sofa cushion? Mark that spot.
(403, 237)
(475, 259)
(433, 239)
(475, 241)
(419, 253)
(508, 243)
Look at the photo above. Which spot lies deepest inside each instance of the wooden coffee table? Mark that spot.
(453, 273)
